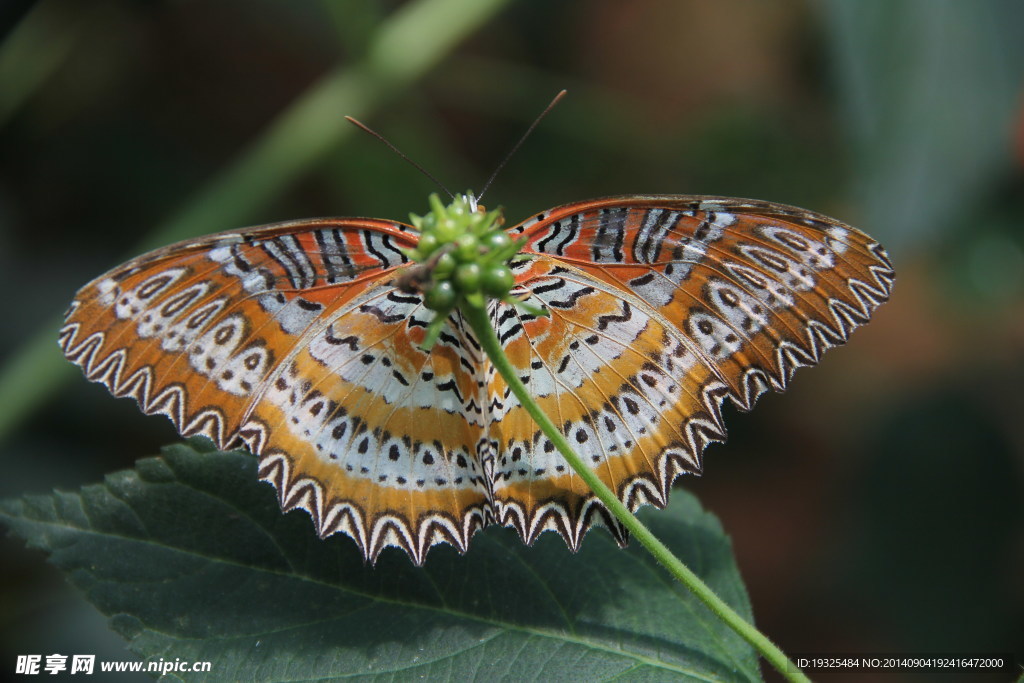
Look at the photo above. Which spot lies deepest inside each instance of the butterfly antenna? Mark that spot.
(519, 144)
(400, 153)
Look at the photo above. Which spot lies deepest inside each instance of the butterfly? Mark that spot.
(304, 343)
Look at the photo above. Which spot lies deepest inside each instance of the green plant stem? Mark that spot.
(407, 45)
(480, 323)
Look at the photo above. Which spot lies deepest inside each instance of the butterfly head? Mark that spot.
(462, 257)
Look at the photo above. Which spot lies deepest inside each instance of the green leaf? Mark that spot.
(190, 557)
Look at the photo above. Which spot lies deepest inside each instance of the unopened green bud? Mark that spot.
(497, 280)
(497, 240)
(467, 247)
(467, 277)
(445, 266)
(427, 244)
(440, 297)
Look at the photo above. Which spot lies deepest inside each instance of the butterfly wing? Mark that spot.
(291, 340)
(662, 307)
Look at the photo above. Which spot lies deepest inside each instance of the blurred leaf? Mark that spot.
(928, 90)
(354, 23)
(191, 559)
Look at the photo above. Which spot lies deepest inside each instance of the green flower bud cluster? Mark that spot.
(465, 254)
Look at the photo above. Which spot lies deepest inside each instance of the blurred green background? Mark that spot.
(876, 507)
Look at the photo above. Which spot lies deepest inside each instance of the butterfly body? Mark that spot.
(304, 342)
